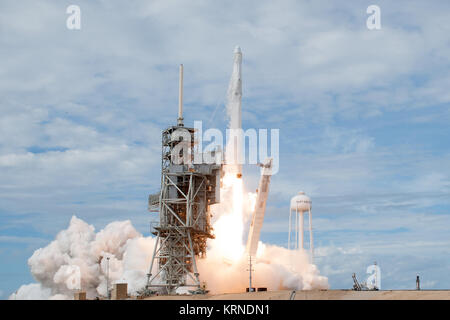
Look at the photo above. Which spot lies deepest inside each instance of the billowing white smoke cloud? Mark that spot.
(225, 267)
(77, 259)
(32, 291)
(275, 268)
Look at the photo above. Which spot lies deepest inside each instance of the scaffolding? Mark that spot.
(187, 191)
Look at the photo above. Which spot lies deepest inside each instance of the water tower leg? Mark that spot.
(311, 244)
(296, 230)
(302, 228)
(290, 229)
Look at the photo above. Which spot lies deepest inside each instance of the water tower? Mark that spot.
(300, 204)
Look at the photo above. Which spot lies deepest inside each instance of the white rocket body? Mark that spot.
(234, 109)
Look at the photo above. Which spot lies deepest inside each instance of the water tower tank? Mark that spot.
(301, 202)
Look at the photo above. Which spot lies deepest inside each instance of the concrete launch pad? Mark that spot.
(319, 295)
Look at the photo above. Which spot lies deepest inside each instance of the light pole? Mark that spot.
(107, 279)
(250, 288)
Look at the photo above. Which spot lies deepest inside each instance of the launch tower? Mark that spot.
(188, 188)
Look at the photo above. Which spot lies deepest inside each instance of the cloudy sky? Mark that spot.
(363, 118)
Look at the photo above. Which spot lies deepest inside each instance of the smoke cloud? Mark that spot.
(225, 267)
(77, 258)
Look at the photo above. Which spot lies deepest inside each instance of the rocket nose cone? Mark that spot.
(237, 49)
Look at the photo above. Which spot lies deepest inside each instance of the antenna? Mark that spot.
(180, 99)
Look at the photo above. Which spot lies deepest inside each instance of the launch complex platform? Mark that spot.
(318, 295)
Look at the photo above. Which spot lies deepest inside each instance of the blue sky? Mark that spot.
(363, 118)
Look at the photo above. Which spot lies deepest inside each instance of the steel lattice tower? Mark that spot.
(187, 191)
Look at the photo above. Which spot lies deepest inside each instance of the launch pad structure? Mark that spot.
(187, 191)
(190, 184)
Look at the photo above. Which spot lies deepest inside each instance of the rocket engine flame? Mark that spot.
(229, 226)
